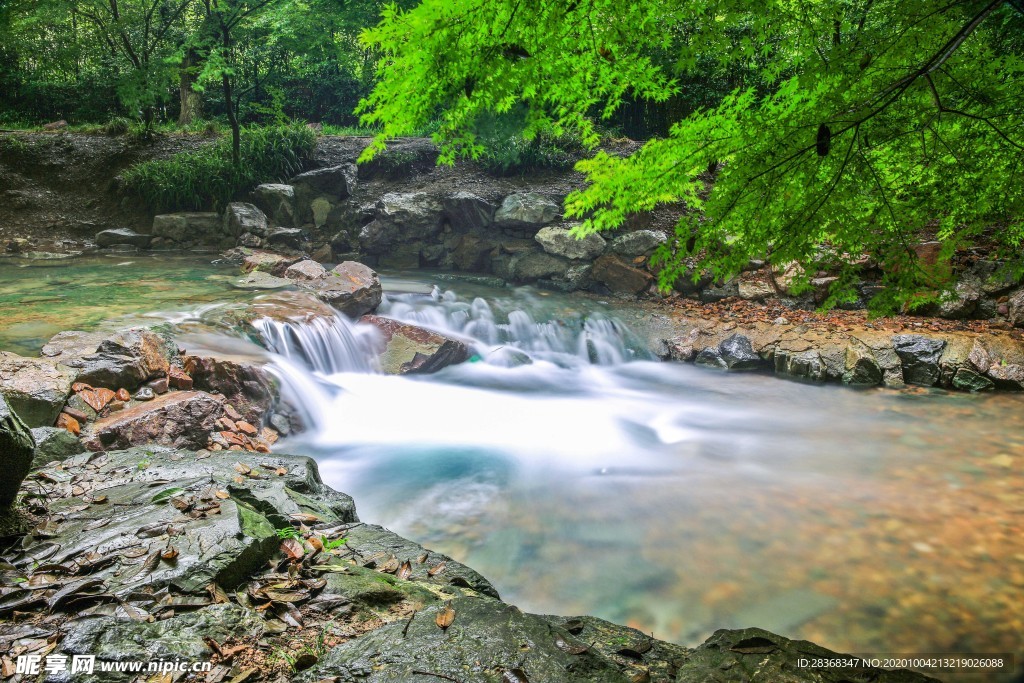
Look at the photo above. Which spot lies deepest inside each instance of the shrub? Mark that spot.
(206, 178)
(514, 155)
(118, 125)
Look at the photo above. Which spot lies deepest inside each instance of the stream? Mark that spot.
(580, 475)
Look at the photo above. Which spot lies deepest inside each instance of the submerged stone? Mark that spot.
(404, 349)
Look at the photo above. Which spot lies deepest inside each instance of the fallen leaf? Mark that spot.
(96, 524)
(514, 676)
(436, 569)
(170, 553)
(404, 571)
(303, 517)
(292, 548)
(242, 469)
(223, 495)
(445, 617)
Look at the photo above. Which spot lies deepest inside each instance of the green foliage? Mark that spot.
(331, 544)
(289, 532)
(850, 128)
(206, 178)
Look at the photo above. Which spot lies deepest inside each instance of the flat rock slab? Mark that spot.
(351, 287)
(182, 419)
(35, 388)
(405, 349)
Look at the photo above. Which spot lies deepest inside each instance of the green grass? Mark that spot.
(206, 179)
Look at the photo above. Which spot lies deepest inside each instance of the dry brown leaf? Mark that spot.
(292, 548)
(404, 571)
(445, 617)
(242, 468)
(223, 495)
(170, 553)
(436, 569)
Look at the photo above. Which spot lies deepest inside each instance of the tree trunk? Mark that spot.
(191, 101)
(229, 105)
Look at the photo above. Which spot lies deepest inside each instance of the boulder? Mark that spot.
(963, 300)
(182, 419)
(804, 364)
(978, 358)
(710, 357)
(242, 217)
(527, 210)
(188, 227)
(54, 444)
(620, 277)
(16, 447)
(351, 287)
(268, 262)
(753, 288)
(406, 349)
(246, 387)
(638, 243)
(36, 388)
(682, 348)
(289, 238)
(336, 181)
(277, 202)
(305, 270)
(1015, 308)
(467, 212)
(717, 291)
(536, 265)
(258, 280)
(738, 353)
(124, 359)
(400, 218)
(108, 238)
(966, 379)
(919, 356)
(860, 366)
(1009, 376)
(558, 241)
(472, 253)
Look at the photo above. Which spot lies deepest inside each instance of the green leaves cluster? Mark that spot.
(859, 127)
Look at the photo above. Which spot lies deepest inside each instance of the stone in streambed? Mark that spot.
(351, 287)
(258, 280)
(559, 241)
(733, 353)
(405, 349)
(109, 238)
(919, 356)
(267, 262)
(125, 359)
(305, 270)
(861, 368)
(54, 444)
(36, 388)
(246, 387)
(620, 277)
(16, 448)
(966, 379)
(182, 419)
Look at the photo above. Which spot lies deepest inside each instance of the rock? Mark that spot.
(638, 243)
(277, 202)
(246, 388)
(1009, 376)
(718, 291)
(710, 357)
(145, 394)
(754, 288)
(526, 210)
(336, 181)
(579, 276)
(738, 353)
(70, 423)
(55, 125)
(536, 265)
(54, 444)
(305, 270)
(682, 348)
(1015, 308)
(268, 262)
(178, 378)
(289, 238)
(108, 238)
(966, 379)
(620, 277)
(406, 349)
(160, 385)
(920, 358)
(182, 419)
(249, 240)
(16, 447)
(125, 359)
(963, 300)
(804, 364)
(467, 212)
(558, 241)
(861, 368)
(994, 276)
(978, 358)
(188, 227)
(400, 219)
(258, 280)
(35, 388)
(351, 287)
(242, 217)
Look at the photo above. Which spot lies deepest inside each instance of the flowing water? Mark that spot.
(580, 476)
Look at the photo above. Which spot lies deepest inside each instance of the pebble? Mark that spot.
(144, 394)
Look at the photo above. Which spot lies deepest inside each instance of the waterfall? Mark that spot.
(326, 345)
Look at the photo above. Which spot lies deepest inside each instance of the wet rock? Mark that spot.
(920, 358)
(289, 238)
(1008, 376)
(711, 357)
(471, 253)
(54, 444)
(536, 265)
(305, 270)
(258, 280)
(16, 448)
(861, 368)
(558, 241)
(527, 210)
(966, 379)
(717, 291)
(467, 212)
(188, 227)
(125, 359)
(620, 277)
(70, 423)
(1015, 308)
(249, 240)
(144, 394)
(246, 387)
(682, 349)
(738, 353)
(406, 349)
(638, 243)
(277, 201)
(36, 388)
(963, 300)
(108, 238)
(242, 217)
(399, 219)
(804, 364)
(267, 262)
(351, 287)
(182, 419)
(178, 378)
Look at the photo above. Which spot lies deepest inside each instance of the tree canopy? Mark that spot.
(853, 129)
